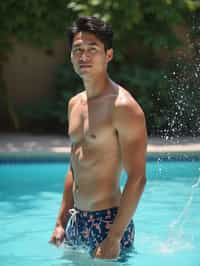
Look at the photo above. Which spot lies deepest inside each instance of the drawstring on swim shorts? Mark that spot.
(73, 213)
(73, 219)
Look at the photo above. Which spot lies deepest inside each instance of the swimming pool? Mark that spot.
(167, 220)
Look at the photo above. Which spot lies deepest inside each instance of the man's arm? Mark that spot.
(129, 122)
(67, 201)
(63, 215)
(132, 135)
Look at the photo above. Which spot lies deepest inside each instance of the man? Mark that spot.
(107, 130)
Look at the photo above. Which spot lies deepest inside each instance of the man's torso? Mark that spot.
(95, 152)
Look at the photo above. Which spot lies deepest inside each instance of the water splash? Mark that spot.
(197, 183)
(184, 213)
(177, 240)
(183, 78)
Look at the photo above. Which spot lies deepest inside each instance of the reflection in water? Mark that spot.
(81, 257)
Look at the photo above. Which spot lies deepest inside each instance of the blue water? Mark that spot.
(167, 219)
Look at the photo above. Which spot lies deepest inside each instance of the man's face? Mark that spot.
(88, 55)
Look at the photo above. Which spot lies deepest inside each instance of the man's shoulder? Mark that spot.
(128, 114)
(125, 102)
(76, 98)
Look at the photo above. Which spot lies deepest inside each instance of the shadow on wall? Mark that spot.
(29, 71)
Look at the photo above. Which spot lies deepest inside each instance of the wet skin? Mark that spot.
(95, 156)
(107, 131)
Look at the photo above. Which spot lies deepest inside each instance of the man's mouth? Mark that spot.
(85, 65)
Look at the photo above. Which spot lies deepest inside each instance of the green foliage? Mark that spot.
(143, 28)
(149, 88)
(184, 98)
(37, 117)
(148, 22)
(42, 21)
(67, 84)
(38, 21)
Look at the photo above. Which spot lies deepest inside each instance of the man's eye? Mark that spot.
(93, 49)
(77, 50)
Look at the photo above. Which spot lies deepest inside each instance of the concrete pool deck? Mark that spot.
(26, 144)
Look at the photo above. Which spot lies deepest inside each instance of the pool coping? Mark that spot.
(64, 157)
(26, 147)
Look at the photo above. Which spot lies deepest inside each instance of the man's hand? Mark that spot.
(109, 248)
(57, 236)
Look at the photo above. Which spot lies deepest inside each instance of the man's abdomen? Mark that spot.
(91, 198)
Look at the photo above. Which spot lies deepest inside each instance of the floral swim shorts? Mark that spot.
(89, 228)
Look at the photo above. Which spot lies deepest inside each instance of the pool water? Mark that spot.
(167, 219)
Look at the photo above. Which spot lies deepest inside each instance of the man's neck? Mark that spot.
(96, 86)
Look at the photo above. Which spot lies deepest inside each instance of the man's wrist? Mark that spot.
(58, 224)
(117, 236)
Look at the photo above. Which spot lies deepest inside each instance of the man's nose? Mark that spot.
(84, 56)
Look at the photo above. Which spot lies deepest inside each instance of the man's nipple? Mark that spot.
(93, 136)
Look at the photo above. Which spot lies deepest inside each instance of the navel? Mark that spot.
(93, 136)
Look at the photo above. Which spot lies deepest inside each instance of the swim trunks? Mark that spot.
(89, 228)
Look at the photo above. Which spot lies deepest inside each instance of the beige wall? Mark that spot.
(29, 72)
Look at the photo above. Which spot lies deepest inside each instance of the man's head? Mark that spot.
(90, 24)
(90, 41)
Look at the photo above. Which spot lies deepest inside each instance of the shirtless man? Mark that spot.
(108, 133)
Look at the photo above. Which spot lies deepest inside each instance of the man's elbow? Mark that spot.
(139, 181)
(144, 181)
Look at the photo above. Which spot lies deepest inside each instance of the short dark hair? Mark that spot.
(102, 30)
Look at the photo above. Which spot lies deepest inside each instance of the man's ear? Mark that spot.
(70, 56)
(109, 54)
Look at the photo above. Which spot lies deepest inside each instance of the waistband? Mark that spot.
(84, 213)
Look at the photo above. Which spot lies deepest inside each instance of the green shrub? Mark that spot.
(142, 29)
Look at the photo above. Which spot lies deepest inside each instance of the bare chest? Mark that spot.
(90, 123)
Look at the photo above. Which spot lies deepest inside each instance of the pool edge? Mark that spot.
(65, 156)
